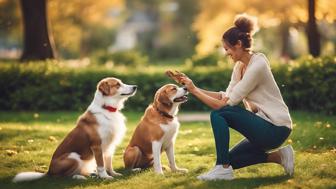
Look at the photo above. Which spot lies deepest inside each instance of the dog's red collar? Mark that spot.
(110, 108)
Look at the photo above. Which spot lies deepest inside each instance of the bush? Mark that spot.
(311, 84)
(126, 58)
(307, 84)
(211, 59)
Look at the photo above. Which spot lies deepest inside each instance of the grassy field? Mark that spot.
(27, 141)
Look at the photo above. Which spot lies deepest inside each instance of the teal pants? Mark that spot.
(260, 136)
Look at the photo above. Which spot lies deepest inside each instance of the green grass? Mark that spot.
(31, 138)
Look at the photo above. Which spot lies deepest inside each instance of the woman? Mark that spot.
(266, 124)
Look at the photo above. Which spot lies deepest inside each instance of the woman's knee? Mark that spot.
(222, 111)
(230, 108)
(214, 114)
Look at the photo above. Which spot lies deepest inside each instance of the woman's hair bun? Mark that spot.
(246, 23)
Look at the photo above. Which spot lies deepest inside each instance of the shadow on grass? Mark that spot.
(56, 183)
(63, 182)
(251, 182)
(236, 183)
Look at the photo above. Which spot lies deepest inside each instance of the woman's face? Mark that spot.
(235, 52)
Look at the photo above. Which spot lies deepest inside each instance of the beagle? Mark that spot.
(157, 131)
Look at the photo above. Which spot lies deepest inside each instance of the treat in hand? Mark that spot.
(175, 75)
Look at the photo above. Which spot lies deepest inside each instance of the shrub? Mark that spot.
(206, 60)
(126, 58)
(312, 84)
(307, 84)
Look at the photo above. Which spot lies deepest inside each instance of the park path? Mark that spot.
(189, 117)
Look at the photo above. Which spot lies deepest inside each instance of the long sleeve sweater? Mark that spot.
(257, 88)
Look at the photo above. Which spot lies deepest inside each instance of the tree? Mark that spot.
(80, 27)
(215, 16)
(38, 41)
(312, 31)
(9, 23)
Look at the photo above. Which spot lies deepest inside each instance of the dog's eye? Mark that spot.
(117, 85)
(174, 89)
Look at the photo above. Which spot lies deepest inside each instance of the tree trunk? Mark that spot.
(284, 32)
(312, 31)
(38, 42)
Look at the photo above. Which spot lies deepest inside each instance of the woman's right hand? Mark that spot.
(188, 83)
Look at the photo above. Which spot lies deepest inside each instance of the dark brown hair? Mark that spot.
(245, 27)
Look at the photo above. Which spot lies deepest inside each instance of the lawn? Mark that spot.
(28, 139)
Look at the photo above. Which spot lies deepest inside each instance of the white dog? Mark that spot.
(91, 144)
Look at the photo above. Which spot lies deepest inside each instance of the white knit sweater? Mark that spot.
(258, 89)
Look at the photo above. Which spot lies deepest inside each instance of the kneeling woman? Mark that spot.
(266, 124)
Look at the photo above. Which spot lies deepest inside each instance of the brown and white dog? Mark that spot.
(91, 144)
(157, 131)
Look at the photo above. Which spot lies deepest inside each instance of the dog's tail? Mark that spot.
(28, 176)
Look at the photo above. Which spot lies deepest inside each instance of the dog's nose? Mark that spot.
(184, 88)
(135, 87)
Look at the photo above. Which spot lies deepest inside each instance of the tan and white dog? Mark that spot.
(91, 144)
(157, 131)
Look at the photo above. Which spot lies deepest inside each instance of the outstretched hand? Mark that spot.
(182, 79)
(175, 75)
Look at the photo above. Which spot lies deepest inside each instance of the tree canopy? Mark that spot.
(217, 16)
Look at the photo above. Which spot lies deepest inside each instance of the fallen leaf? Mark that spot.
(290, 181)
(324, 165)
(185, 132)
(52, 138)
(11, 152)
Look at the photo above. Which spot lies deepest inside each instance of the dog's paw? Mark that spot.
(115, 174)
(79, 177)
(158, 172)
(136, 170)
(107, 177)
(180, 170)
(165, 168)
(103, 174)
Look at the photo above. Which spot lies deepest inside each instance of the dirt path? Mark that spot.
(188, 117)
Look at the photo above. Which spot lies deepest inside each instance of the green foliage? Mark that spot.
(170, 50)
(309, 84)
(305, 84)
(45, 87)
(126, 58)
(211, 59)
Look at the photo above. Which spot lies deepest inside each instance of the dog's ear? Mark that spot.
(104, 87)
(163, 99)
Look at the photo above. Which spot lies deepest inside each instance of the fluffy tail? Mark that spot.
(28, 176)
